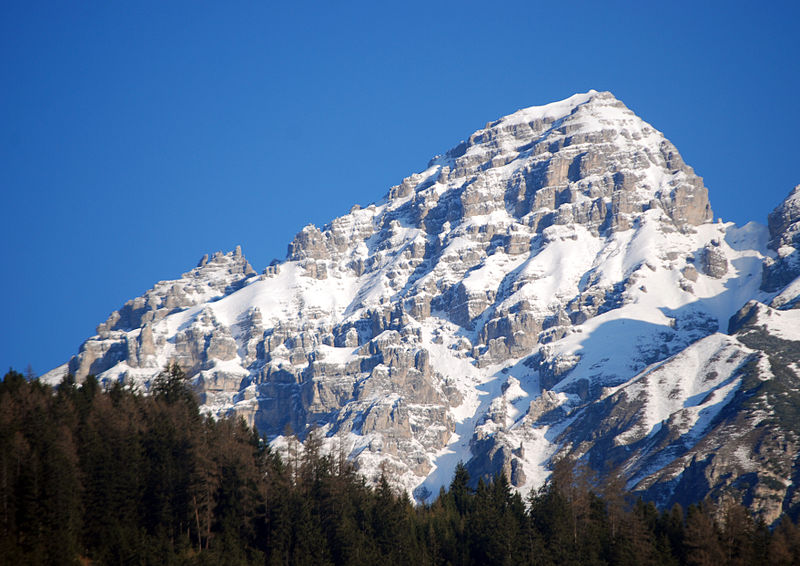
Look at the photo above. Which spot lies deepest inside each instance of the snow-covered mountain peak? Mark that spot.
(549, 112)
(559, 254)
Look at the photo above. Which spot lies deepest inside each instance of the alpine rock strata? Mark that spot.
(555, 284)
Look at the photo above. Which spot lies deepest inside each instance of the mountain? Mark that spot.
(554, 285)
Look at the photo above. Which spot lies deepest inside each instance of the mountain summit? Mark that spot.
(552, 285)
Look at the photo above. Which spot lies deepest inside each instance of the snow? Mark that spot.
(692, 382)
(783, 324)
(55, 375)
(490, 273)
(645, 316)
(552, 278)
(550, 111)
(339, 356)
(287, 293)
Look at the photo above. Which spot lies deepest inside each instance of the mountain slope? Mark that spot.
(559, 259)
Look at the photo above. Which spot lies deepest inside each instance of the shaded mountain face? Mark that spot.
(553, 284)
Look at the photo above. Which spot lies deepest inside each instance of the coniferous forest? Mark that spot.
(93, 475)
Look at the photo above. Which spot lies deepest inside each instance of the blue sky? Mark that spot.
(138, 136)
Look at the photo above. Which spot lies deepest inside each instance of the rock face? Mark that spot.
(784, 231)
(127, 336)
(534, 290)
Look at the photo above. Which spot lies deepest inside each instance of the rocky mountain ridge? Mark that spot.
(552, 285)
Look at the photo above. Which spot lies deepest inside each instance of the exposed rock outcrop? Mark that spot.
(784, 231)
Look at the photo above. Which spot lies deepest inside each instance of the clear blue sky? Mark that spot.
(137, 136)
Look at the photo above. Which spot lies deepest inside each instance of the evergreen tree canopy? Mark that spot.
(112, 476)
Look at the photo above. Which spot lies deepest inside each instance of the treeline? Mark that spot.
(94, 476)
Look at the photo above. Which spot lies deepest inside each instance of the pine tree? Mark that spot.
(171, 386)
(784, 544)
(738, 531)
(702, 538)
(459, 488)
